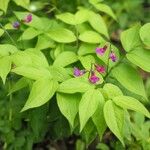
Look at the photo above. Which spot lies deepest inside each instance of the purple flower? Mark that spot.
(16, 25)
(100, 69)
(78, 72)
(113, 57)
(93, 78)
(28, 18)
(101, 50)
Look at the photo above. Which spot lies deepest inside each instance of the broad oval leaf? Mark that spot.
(97, 22)
(44, 42)
(67, 18)
(29, 33)
(106, 9)
(20, 84)
(129, 78)
(90, 37)
(7, 49)
(65, 58)
(32, 72)
(112, 90)
(4, 5)
(131, 103)
(5, 67)
(145, 34)
(23, 3)
(62, 35)
(114, 117)
(74, 85)
(86, 49)
(81, 16)
(140, 57)
(59, 73)
(42, 91)
(98, 117)
(89, 102)
(86, 61)
(130, 38)
(68, 105)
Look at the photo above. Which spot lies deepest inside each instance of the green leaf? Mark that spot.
(97, 22)
(94, 1)
(21, 83)
(7, 49)
(86, 49)
(38, 58)
(23, 3)
(65, 58)
(131, 103)
(114, 117)
(130, 79)
(4, 5)
(86, 61)
(130, 38)
(62, 35)
(106, 9)
(42, 91)
(68, 105)
(31, 57)
(21, 58)
(145, 34)
(98, 117)
(89, 133)
(112, 90)
(90, 101)
(59, 73)
(140, 57)
(5, 66)
(29, 33)
(44, 42)
(67, 18)
(74, 85)
(81, 16)
(32, 73)
(90, 37)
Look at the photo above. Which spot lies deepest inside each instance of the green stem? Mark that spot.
(12, 40)
(108, 59)
(10, 100)
(114, 67)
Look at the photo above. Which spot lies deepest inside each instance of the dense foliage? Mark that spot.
(67, 77)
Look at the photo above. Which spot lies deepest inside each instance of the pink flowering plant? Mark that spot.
(73, 79)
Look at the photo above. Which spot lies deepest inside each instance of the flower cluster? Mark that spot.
(101, 51)
(92, 72)
(27, 19)
(93, 78)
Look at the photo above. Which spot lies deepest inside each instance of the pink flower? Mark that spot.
(113, 57)
(100, 69)
(78, 72)
(16, 25)
(93, 78)
(28, 18)
(101, 50)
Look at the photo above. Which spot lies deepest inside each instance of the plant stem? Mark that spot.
(10, 100)
(12, 40)
(108, 59)
(114, 66)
